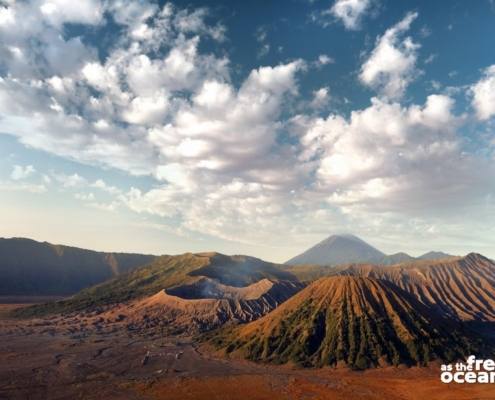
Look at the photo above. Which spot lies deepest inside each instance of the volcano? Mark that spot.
(355, 321)
(339, 249)
(206, 304)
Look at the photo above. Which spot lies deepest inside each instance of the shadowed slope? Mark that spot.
(28, 267)
(357, 321)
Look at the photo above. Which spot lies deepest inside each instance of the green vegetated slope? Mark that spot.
(356, 321)
(166, 272)
(32, 268)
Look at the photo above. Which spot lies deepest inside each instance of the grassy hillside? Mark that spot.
(166, 272)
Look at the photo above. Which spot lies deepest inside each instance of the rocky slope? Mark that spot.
(355, 321)
(206, 304)
(463, 287)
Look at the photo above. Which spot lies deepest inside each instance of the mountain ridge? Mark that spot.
(348, 249)
(30, 267)
(462, 287)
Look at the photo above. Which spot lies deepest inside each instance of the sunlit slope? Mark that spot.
(356, 321)
(462, 286)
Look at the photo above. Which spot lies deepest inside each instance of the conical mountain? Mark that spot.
(339, 249)
(354, 321)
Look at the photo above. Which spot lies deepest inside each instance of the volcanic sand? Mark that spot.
(85, 357)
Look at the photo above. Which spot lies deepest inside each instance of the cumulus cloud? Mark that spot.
(321, 97)
(58, 12)
(58, 96)
(225, 157)
(483, 92)
(391, 66)
(172, 114)
(350, 12)
(388, 156)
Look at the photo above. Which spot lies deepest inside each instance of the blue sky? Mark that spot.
(248, 127)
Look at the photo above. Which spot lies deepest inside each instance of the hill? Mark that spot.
(354, 321)
(396, 258)
(338, 249)
(28, 267)
(462, 287)
(167, 272)
(434, 255)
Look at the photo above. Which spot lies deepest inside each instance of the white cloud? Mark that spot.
(227, 159)
(391, 66)
(70, 181)
(484, 95)
(102, 185)
(58, 12)
(388, 152)
(149, 110)
(19, 172)
(320, 97)
(324, 59)
(382, 140)
(350, 12)
(81, 108)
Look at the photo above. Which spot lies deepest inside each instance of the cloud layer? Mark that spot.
(241, 159)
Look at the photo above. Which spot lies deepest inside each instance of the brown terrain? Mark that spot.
(204, 304)
(351, 320)
(105, 343)
(80, 357)
(462, 287)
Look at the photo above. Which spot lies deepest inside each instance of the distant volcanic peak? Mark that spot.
(338, 249)
(357, 321)
(434, 255)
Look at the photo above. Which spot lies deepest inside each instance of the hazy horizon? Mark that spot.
(207, 250)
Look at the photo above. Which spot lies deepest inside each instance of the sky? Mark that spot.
(248, 127)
